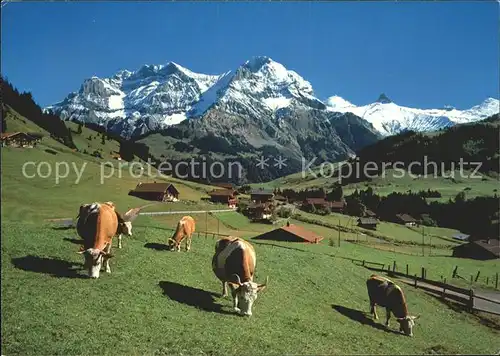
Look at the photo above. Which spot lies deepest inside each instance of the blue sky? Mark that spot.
(426, 54)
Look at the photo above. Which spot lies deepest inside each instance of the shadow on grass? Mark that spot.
(52, 266)
(194, 297)
(69, 227)
(156, 246)
(74, 241)
(361, 317)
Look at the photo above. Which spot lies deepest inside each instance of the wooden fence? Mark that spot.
(446, 291)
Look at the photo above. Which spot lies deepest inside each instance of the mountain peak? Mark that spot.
(257, 62)
(383, 99)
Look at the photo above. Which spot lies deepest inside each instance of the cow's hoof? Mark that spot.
(237, 310)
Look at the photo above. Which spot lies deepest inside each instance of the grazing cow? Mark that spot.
(125, 223)
(185, 230)
(385, 293)
(97, 224)
(234, 264)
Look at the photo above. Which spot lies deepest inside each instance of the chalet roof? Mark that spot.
(33, 135)
(222, 193)
(9, 134)
(491, 245)
(336, 204)
(259, 205)
(316, 201)
(301, 232)
(405, 218)
(262, 192)
(370, 213)
(322, 201)
(154, 187)
(368, 221)
(224, 185)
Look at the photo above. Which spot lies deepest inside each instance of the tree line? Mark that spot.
(26, 106)
(478, 217)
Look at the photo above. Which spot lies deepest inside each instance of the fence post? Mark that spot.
(471, 299)
(496, 281)
(394, 266)
(487, 280)
(477, 276)
(363, 263)
(455, 272)
(422, 273)
(415, 281)
(407, 269)
(471, 278)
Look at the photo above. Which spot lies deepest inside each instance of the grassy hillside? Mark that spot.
(158, 308)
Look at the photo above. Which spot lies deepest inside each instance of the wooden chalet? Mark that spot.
(156, 191)
(260, 211)
(322, 203)
(280, 199)
(291, 233)
(224, 196)
(368, 223)
(486, 249)
(261, 195)
(20, 139)
(226, 186)
(406, 220)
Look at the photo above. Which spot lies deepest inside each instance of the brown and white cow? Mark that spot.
(125, 223)
(97, 224)
(385, 293)
(185, 229)
(234, 264)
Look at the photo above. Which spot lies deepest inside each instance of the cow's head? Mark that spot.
(173, 245)
(247, 294)
(125, 228)
(125, 223)
(93, 260)
(407, 323)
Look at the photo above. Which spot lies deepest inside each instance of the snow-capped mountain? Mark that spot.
(157, 96)
(389, 118)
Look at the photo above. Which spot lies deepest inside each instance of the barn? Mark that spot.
(368, 223)
(224, 196)
(20, 139)
(479, 250)
(156, 191)
(291, 233)
(406, 220)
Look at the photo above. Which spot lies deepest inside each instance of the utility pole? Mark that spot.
(423, 241)
(339, 232)
(206, 223)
